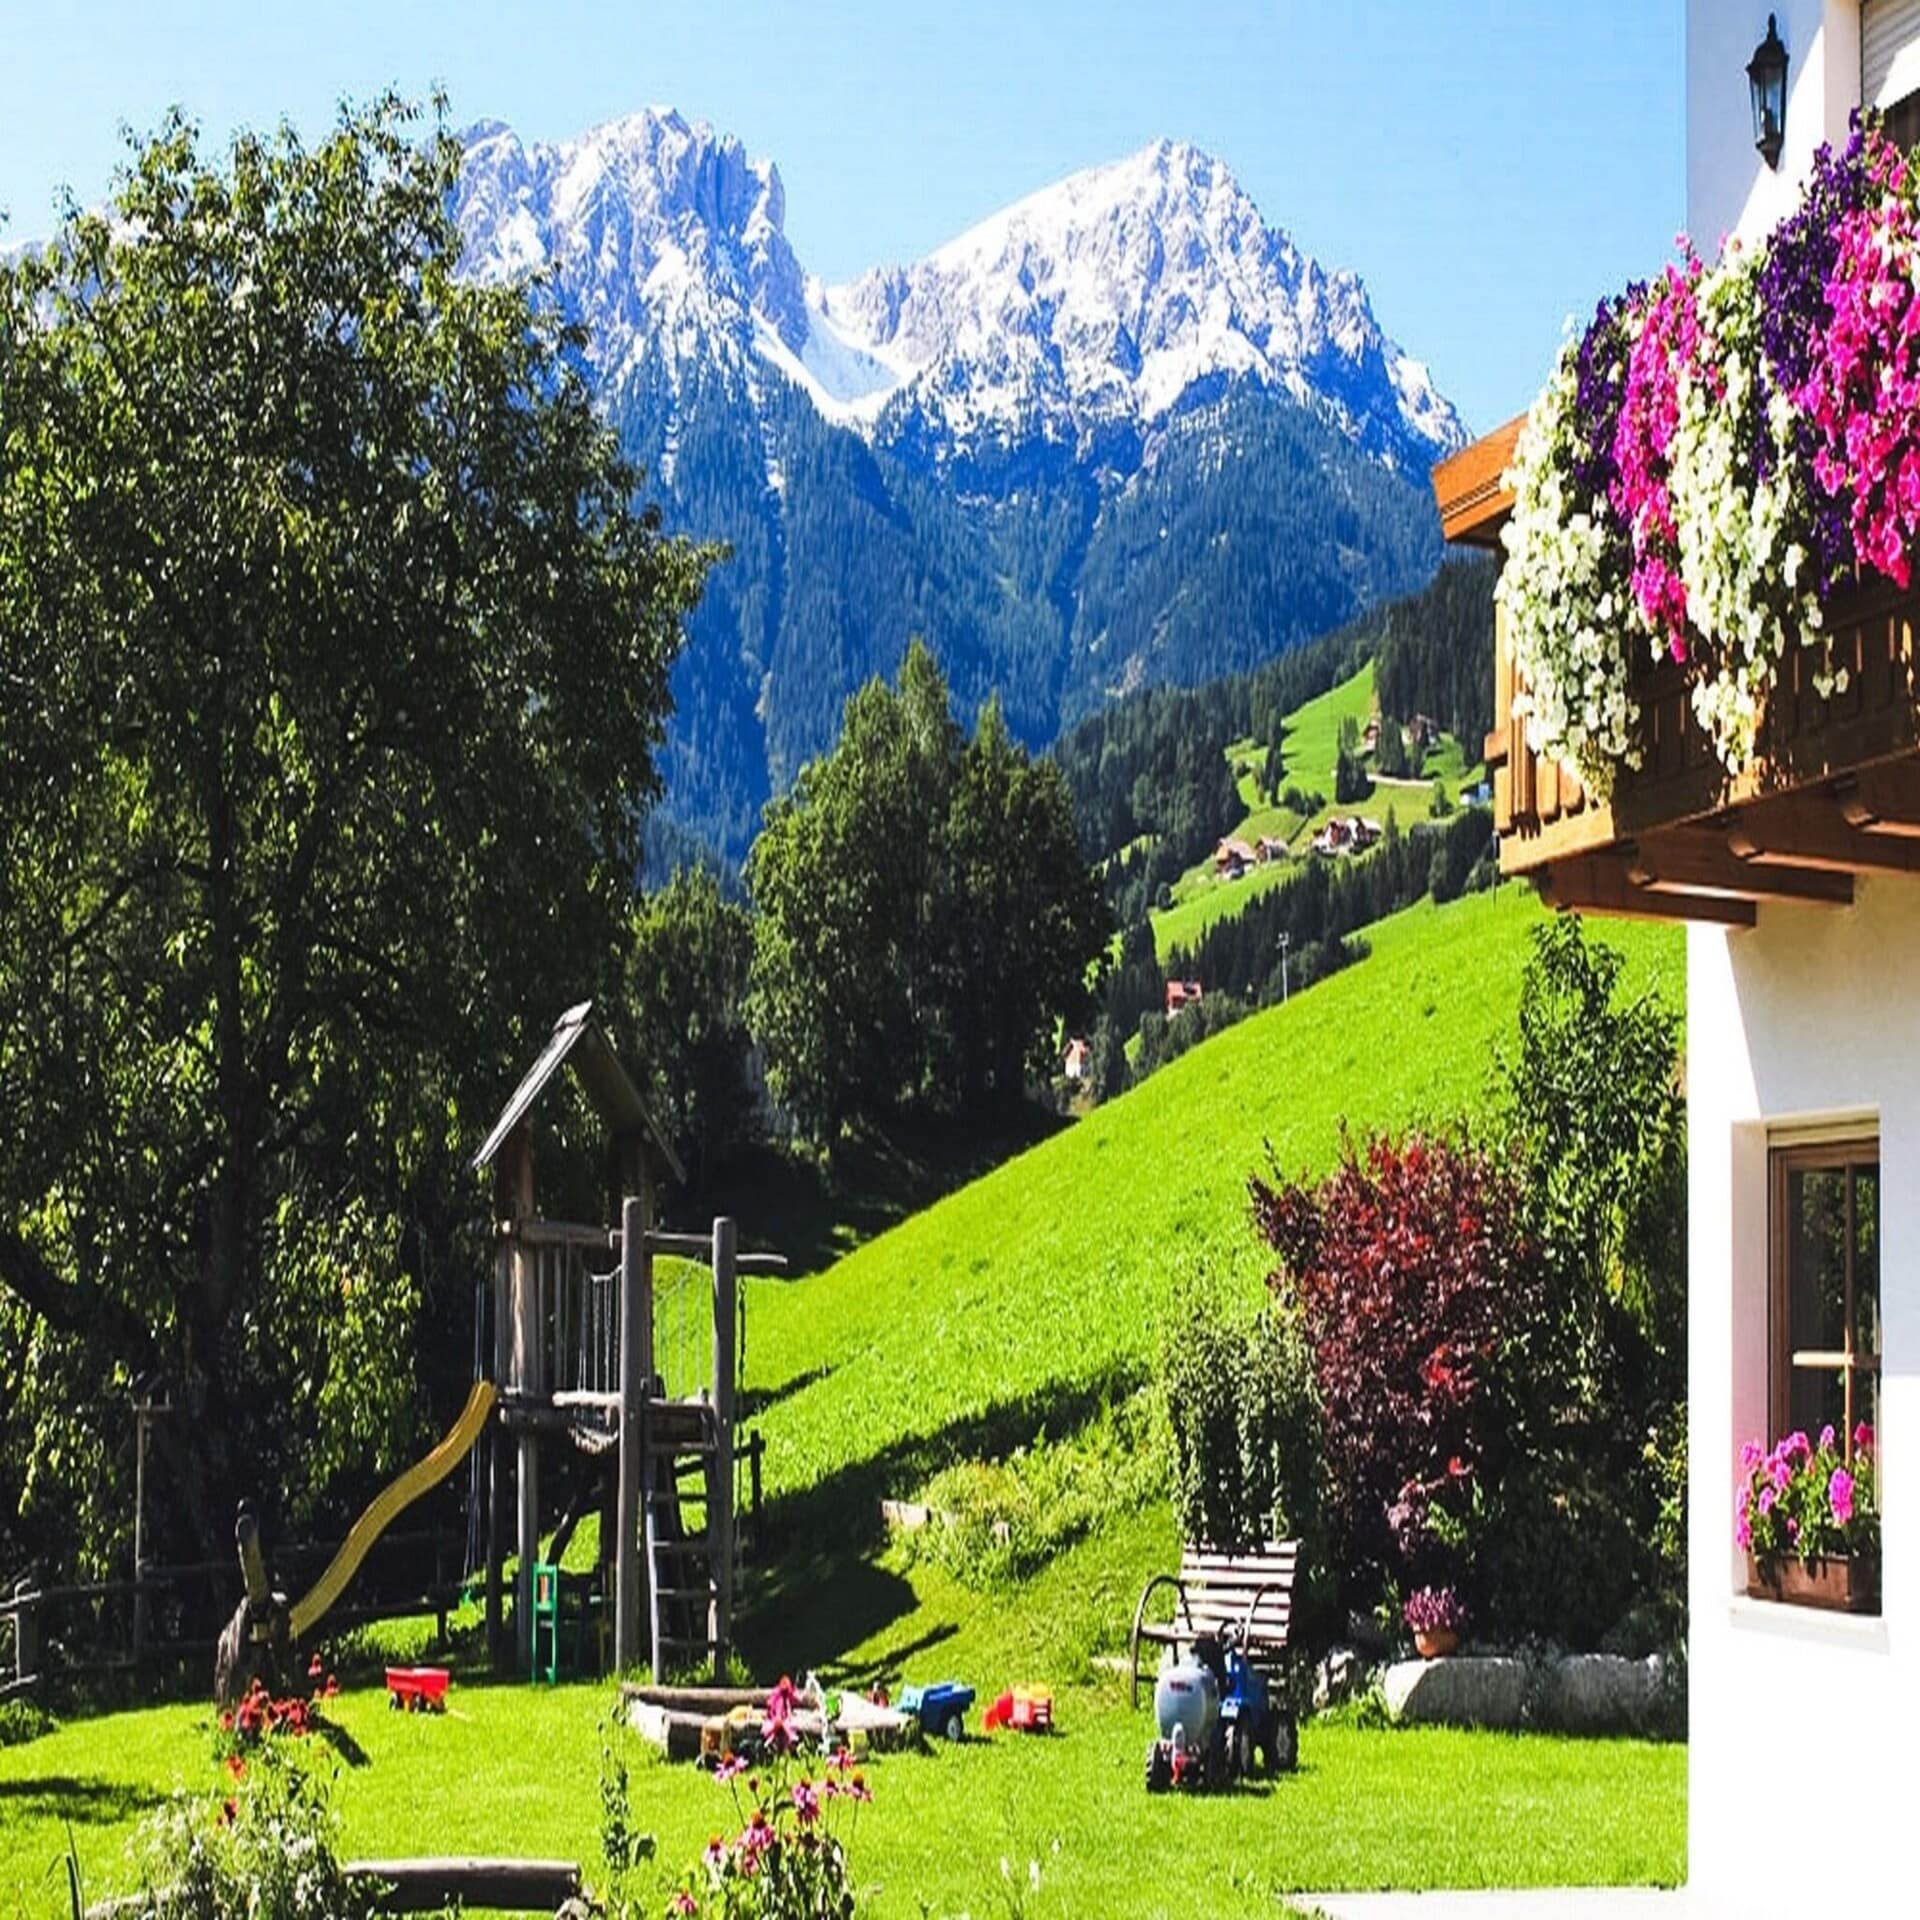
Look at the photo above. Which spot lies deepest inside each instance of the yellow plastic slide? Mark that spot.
(390, 1501)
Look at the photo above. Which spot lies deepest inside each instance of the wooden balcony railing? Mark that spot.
(1834, 790)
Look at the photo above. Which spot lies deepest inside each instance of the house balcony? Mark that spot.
(1833, 791)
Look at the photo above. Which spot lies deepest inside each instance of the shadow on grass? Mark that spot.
(350, 1751)
(756, 1400)
(88, 1801)
(818, 1591)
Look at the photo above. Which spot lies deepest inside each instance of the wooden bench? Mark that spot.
(1251, 1592)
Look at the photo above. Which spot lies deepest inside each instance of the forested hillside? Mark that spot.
(1150, 776)
(1251, 527)
(1162, 779)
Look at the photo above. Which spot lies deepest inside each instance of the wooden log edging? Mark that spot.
(421, 1885)
(430, 1882)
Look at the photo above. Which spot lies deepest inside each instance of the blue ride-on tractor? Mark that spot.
(1216, 1719)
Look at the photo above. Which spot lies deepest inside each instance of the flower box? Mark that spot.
(1840, 1584)
(1713, 547)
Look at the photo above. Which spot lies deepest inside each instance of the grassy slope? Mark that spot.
(1046, 1274)
(1020, 1302)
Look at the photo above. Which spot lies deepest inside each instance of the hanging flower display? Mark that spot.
(1713, 458)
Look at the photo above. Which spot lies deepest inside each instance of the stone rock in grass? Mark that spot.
(1599, 1693)
(1461, 1690)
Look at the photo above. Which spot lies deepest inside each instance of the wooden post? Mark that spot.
(636, 1383)
(512, 1202)
(498, 1654)
(140, 1412)
(526, 1377)
(726, 1246)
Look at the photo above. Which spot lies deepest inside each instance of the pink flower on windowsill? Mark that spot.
(1840, 1494)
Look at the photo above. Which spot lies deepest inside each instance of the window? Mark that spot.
(1903, 123)
(1826, 1288)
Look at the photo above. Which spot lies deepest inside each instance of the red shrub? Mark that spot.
(1417, 1288)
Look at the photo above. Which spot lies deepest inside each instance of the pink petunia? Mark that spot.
(1840, 1495)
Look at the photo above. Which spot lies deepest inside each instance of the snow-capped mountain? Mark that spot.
(1123, 432)
(1114, 295)
(1104, 301)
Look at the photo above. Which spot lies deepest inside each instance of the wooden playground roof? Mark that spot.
(578, 1041)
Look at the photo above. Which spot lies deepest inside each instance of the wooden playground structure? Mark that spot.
(573, 1388)
(575, 1317)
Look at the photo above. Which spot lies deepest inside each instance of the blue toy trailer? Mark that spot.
(939, 1709)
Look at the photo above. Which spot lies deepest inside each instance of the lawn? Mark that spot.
(1182, 924)
(513, 1769)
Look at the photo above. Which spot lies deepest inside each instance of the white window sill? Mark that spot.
(1866, 1631)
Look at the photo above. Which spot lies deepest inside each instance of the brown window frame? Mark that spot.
(1783, 1161)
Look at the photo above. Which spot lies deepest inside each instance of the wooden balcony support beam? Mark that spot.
(1600, 883)
(1809, 830)
(1884, 799)
(1698, 861)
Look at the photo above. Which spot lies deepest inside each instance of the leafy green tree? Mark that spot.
(685, 1008)
(1591, 1106)
(334, 655)
(1351, 781)
(1107, 1070)
(849, 877)
(925, 916)
(1031, 917)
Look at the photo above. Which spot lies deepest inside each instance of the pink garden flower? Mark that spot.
(1840, 1495)
(1667, 346)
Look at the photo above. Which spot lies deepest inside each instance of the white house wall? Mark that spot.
(1809, 1017)
(1730, 190)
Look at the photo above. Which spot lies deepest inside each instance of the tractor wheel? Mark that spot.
(1159, 1767)
(956, 1728)
(1283, 1743)
(1240, 1754)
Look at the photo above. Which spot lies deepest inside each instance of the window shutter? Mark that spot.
(1889, 51)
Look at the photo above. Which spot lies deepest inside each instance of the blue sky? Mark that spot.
(1487, 166)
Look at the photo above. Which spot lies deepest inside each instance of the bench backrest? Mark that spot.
(1218, 1587)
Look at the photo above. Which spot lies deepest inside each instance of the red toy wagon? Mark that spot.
(421, 1688)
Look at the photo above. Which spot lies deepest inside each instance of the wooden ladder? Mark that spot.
(681, 1581)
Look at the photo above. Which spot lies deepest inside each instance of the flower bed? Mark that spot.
(1720, 453)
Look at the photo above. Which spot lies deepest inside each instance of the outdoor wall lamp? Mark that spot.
(1767, 85)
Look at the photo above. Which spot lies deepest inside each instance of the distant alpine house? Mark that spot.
(1706, 709)
(1121, 432)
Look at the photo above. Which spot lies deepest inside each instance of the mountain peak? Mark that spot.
(1117, 292)
(1093, 307)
